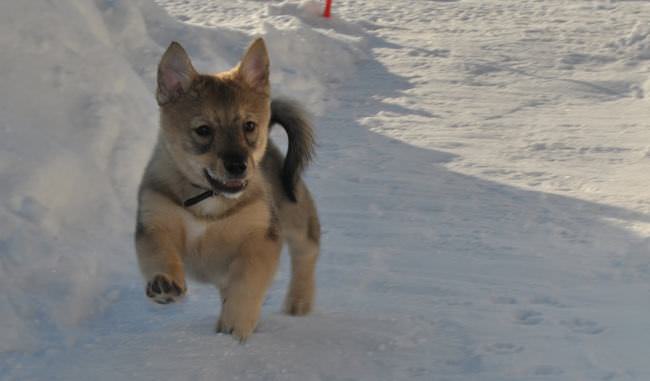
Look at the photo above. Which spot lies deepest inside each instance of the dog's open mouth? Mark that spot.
(231, 186)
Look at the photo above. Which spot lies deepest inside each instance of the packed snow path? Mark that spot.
(482, 183)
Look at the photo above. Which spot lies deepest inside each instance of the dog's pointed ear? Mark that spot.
(175, 73)
(254, 67)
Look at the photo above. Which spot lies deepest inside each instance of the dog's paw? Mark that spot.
(239, 330)
(239, 324)
(163, 290)
(298, 306)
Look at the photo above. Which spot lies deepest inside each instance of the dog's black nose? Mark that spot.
(235, 165)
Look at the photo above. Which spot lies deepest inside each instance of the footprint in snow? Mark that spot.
(547, 301)
(528, 317)
(546, 370)
(584, 326)
(503, 300)
(503, 348)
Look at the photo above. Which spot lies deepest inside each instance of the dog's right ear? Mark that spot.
(175, 74)
(254, 66)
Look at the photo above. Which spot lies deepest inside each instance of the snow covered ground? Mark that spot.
(482, 177)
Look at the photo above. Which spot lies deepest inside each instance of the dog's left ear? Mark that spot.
(254, 67)
(175, 74)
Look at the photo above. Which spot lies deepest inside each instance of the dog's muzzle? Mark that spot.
(231, 186)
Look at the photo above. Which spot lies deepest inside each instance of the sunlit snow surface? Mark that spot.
(482, 179)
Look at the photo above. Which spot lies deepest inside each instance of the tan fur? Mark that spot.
(232, 243)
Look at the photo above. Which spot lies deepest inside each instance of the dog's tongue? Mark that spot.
(233, 183)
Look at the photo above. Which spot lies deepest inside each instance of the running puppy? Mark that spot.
(218, 199)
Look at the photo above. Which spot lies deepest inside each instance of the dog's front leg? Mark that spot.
(249, 276)
(158, 255)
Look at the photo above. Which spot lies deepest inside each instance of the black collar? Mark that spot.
(198, 198)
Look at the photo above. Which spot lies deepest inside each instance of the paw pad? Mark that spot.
(163, 290)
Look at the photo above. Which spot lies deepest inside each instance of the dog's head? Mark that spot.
(215, 127)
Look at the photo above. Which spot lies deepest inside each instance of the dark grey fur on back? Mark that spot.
(295, 121)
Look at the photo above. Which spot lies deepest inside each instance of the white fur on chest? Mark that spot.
(195, 227)
(201, 265)
(209, 207)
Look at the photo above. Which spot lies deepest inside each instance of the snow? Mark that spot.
(481, 178)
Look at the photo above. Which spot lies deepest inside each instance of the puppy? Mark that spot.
(218, 199)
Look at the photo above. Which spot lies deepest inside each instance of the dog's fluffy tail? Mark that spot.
(296, 122)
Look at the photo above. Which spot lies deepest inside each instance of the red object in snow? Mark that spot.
(328, 8)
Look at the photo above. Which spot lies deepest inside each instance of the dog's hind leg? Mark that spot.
(304, 250)
(300, 297)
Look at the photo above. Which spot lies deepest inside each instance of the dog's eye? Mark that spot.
(203, 131)
(249, 126)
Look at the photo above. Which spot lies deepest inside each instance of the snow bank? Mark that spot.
(77, 122)
(310, 54)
